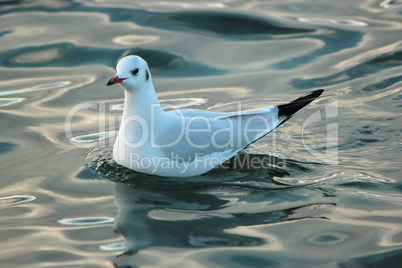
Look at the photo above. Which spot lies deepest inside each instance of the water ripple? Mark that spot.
(327, 21)
(386, 58)
(4, 102)
(188, 5)
(85, 221)
(92, 139)
(6, 147)
(134, 39)
(390, 4)
(49, 86)
(328, 238)
(113, 246)
(232, 25)
(15, 199)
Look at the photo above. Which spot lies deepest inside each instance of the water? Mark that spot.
(321, 203)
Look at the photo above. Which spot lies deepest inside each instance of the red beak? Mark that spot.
(115, 80)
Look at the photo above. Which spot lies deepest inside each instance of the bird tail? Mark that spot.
(286, 111)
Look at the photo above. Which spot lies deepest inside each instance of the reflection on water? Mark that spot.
(390, 4)
(212, 211)
(333, 21)
(86, 221)
(10, 101)
(57, 203)
(15, 199)
(206, 212)
(197, 218)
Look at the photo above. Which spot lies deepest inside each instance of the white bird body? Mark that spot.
(184, 143)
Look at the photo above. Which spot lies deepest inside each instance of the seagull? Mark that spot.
(188, 142)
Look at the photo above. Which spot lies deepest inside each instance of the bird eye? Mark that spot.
(135, 71)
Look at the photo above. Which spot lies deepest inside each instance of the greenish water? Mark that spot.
(331, 196)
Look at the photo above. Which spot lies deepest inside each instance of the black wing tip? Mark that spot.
(288, 110)
(316, 93)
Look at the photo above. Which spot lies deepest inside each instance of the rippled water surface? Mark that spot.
(331, 195)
